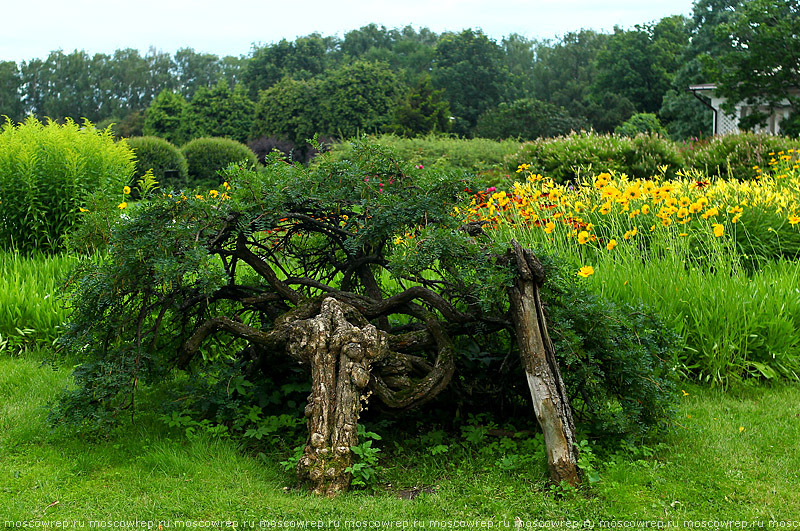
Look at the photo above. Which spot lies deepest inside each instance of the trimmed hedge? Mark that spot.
(167, 162)
(729, 156)
(207, 156)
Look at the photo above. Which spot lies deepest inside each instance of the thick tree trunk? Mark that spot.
(340, 354)
(541, 369)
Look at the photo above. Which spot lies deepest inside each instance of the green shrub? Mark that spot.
(615, 359)
(734, 156)
(643, 122)
(477, 155)
(207, 156)
(167, 162)
(564, 158)
(48, 172)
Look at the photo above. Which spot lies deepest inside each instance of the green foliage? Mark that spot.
(164, 275)
(167, 162)
(477, 155)
(31, 313)
(734, 156)
(289, 110)
(468, 66)
(364, 470)
(10, 88)
(49, 171)
(358, 98)
(647, 123)
(207, 156)
(791, 126)
(423, 110)
(614, 358)
(758, 64)
(527, 119)
(164, 117)
(564, 158)
(638, 64)
(218, 112)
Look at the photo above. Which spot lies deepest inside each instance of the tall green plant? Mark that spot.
(48, 172)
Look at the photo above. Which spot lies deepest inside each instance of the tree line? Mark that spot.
(414, 81)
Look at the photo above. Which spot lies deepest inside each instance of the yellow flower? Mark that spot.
(794, 220)
(719, 229)
(398, 240)
(583, 237)
(213, 193)
(710, 213)
(645, 209)
(226, 185)
(522, 167)
(198, 196)
(585, 271)
(611, 245)
(734, 210)
(632, 192)
(630, 234)
(741, 429)
(735, 218)
(683, 212)
(81, 209)
(684, 202)
(122, 205)
(549, 227)
(126, 190)
(684, 393)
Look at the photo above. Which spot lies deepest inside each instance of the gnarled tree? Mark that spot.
(360, 270)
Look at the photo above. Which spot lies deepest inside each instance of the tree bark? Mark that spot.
(340, 354)
(547, 388)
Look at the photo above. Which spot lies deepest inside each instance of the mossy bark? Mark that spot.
(340, 354)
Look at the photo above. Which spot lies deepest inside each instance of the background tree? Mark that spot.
(359, 98)
(218, 112)
(303, 59)
(638, 64)
(164, 117)
(564, 70)
(468, 66)
(527, 119)
(10, 91)
(760, 64)
(422, 110)
(194, 71)
(682, 113)
(289, 110)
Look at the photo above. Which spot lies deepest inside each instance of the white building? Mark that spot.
(725, 124)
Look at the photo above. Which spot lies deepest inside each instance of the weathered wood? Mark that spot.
(340, 354)
(547, 388)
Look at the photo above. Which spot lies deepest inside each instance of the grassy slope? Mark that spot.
(707, 468)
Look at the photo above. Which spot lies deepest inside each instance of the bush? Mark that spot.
(477, 155)
(48, 172)
(566, 157)
(734, 156)
(167, 162)
(643, 122)
(207, 156)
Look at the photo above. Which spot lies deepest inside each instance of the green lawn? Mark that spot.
(735, 456)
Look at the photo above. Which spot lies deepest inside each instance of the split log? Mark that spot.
(547, 388)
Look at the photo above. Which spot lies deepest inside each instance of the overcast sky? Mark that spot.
(31, 29)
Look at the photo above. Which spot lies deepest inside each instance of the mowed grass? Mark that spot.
(734, 455)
